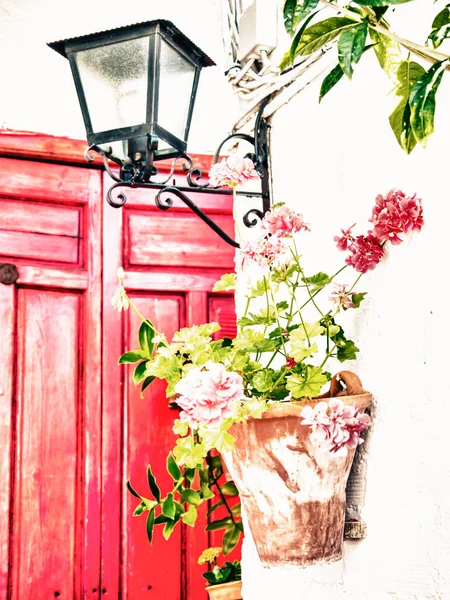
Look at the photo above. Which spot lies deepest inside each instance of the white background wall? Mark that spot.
(330, 162)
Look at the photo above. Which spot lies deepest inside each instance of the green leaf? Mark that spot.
(295, 11)
(226, 283)
(147, 381)
(423, 101)
(168, 528)
(188, 452)
(408, 74)
(307, 330)
(262, 381)
(133, 491)
(322, 33)
(150, 525)
(146, 335)
(231, 539)
(358, 298)
(131, 357)
(210, 577)
(440, 27)
(236, 509)
(317, 281)
(153, 485)
(207, 494)
(168, 507)
(190, 516)
(191, 497)
(298, 37)
(229, 489)
(214, 506)
(219, 524)
(333, 77)
(347, 351)
(388, 53)
(172, 468)
(139, 372)
(307, 385)
(380, 2)
(141, 508)
(351, 46)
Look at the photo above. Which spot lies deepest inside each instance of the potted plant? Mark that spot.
(259, 399)
(225, 581)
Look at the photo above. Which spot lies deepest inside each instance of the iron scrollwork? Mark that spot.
(139, 172)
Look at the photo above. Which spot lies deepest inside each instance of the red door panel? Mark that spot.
(49, 382)
(48, 481)
(150, 439)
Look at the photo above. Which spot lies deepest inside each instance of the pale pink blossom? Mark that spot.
(396, 214)
(232, 171)
(266, 251)
(120, 300)
(208, 394)
(341, 297)
(283, 221)
(335, 426)
(345, 239)
(366, 252)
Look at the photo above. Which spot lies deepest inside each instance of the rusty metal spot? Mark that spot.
(355, 530)
(8, 273)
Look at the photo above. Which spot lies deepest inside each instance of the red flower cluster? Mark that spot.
(396, 214)
(392, 216)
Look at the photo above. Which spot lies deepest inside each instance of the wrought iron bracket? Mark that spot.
(139, 172)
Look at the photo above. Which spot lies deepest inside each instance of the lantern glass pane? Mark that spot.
(114, 79)
(175, 89)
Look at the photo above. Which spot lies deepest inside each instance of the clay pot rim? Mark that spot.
(293, 408)
(228, 584)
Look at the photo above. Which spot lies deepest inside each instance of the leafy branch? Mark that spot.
(412, 121)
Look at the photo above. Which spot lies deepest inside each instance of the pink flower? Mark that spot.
(341, 297)
(266, 251)
(396, 214)
(283, 221)
(208, 394)
(366, 252)
(335, 425)
(290, 363)
(232, 170)
(346, 238)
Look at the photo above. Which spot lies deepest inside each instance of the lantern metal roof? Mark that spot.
(132, 31)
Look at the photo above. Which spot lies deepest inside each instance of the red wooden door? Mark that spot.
(50, 416)
(171, 260)
(73, 428)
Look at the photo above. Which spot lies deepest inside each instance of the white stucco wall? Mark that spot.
(36, 87)
(330, 162)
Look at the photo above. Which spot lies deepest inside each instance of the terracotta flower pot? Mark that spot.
(293, 490)
(225, 591)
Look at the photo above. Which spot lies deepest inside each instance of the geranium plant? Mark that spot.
(287, 334)
(228, 572)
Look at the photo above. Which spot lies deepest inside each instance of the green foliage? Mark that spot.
(230, 571)
(423, 101)
(295, 11)
(333, 77)
(440, 29)
(307, 385)
(351, 46)
(226, 283)
(408, 74)
(381, 2)
(319, 34)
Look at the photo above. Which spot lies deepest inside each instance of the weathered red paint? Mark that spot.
(72, 425)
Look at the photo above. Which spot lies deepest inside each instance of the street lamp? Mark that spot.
(136, 87)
